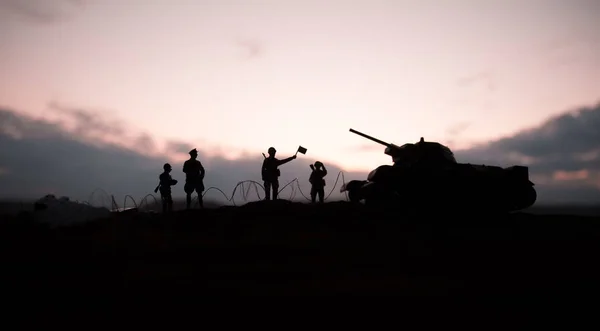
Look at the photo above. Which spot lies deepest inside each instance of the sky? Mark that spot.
(233, 78)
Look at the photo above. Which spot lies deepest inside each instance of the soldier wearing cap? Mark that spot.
(194, 178)
(270, 173)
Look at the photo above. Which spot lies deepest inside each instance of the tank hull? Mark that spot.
(458, 186)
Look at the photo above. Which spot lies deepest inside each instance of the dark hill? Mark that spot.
(284, 248)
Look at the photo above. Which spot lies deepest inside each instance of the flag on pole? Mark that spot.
(301, 150)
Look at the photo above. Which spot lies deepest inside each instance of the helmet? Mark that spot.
(193, 152)
(272, 150)
(166, 166)
(318, 164)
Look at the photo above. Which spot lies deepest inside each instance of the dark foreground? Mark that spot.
(301, 250)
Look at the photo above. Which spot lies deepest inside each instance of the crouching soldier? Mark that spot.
(164, 185)
(317, 180)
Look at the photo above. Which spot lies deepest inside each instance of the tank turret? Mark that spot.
(422, 152)
(427, 172)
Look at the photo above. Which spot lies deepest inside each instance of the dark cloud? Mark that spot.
(563, 155)
(41, 11)
(145, 142)
(38, 157)
(97, 128)
(88, 122)
(44, 159)
(565, 135)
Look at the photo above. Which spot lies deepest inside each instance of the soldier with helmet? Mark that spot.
(270, 173)
(194, 178)
(164, 185)
(317, 180)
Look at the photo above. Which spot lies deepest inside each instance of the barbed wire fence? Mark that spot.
(245, 188)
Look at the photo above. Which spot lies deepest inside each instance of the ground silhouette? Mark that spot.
(287, 248)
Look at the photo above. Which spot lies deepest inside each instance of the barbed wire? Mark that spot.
(255, 185)
(244, 187)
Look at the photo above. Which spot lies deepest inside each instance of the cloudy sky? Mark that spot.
(101, 93)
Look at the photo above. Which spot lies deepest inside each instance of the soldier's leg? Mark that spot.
(169, 203)
(275, 185)
(200, 198)
(164, 203)
(188, 194)
(267, 190)
(321, 193)
(313, 194)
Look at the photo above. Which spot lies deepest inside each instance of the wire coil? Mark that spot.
(245, 187)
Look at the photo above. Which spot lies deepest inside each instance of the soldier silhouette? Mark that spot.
(270, 173)
(164, 185)
(317, 180)
(194, 178)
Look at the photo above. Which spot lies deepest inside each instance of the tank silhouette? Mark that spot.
(427, 174)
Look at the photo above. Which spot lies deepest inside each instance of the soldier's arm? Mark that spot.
(284, 161)
(185, 167)
(202, 170)
(324, 171)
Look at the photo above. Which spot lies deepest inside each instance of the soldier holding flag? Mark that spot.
(270, 172)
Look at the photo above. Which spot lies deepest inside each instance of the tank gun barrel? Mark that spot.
(371, 138)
